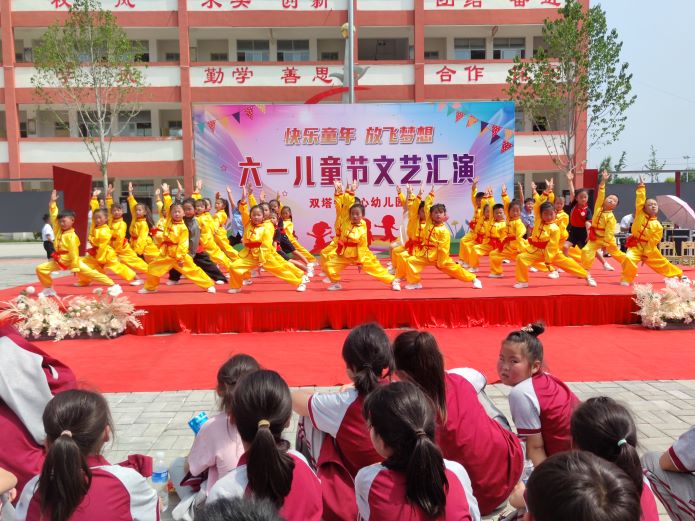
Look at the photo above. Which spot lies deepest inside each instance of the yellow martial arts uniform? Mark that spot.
(479, 226)
(140, 239)
(513, 243)
(174, 250)
(288, 225)
(352, 249)
(603, 232)
(208, 242)
(258, 251)
(400, 254)
(342, 203)
(643, 243)
(101, 256)
(221, 238)
(494, 234)
(119, 243)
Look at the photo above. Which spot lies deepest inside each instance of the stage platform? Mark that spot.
(271, 305)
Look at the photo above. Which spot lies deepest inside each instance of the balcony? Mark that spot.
(123, 150)
(154, 75)
(122, 5)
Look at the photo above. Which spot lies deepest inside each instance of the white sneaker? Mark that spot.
(234, 290)
(413, 286)
(554, 275)
(145, 291)
(255, 274)
(172, 282)
(396, 285)
(477, 284)
(472, 270)
(136, 282)
(506, 261)
(591, 282)
(608, 267)
(560, 270)
(305, 279)
(47, 292)
(463, 264)
(301, 287)
(211, 289)
(309, 272)
(495, 276)
(114, 290)
(220, 282)
(311, 265)
(624, 283)
(247, 282)
(520, 285)
(327, 281)
(533, 270)
(335, 286)
(391, 271)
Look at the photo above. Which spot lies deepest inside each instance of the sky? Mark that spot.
(659, 44)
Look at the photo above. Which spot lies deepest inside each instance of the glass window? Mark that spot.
(218, 57)
(469, 48)
(508, 48)
(329, 56)
(431, 55)
(253, 50)
(172, 56)
(293, 50)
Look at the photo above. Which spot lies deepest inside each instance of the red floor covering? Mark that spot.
(272, 305)
(185, 361)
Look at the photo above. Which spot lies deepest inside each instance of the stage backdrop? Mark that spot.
(299, 150)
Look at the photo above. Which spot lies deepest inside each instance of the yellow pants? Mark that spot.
(222, 242)
(275, 265)
(190, 270)
(151, 252)
(114, 266)
(476, 251)
(370, 265)
(216, 254)
(591, 247)
(43, 272)
(575, 253)
(415, 265)
(524, 260)
(466, 244)
(496, 258)
(652, 257)
(128, 257)
(400, 263)
(327, 253)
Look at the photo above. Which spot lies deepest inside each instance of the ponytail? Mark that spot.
(528, 336)
(403, 417)
(262, 408)
(75, 422)
(367, 352)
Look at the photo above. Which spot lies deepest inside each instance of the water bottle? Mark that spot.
(197, 422)
(160, 478)
(528, 469)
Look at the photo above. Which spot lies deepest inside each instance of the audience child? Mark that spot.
(262, 408)
(579, 486)
(672, 476)
(541, 404)
(47, 236)
(8, 493)
(332, 430)
(141, 228)
(491, 454)
(76, 482)
(606, 428)
(414, 482)
(239, 509)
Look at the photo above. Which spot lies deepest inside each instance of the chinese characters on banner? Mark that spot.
(493, 4)
(226, 5)
(262, 75)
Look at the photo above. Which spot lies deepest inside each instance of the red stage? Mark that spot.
(272, 305)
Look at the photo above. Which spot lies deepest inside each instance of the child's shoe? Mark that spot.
(114, 290)
(413, 286)
(305, 279)
(247, 282)
(533, 270)
(47, 292)
(472, 270)
(591, 282)
(220, 282)
(396, 285)
(520, 285)
(172, 282)
(145, 291)
(608, 267)
(495, 276)
(554, 275)
(136, 282)
(301, 287)
(334, 287)
(211, 289)
(234, 290)
(477, 284)
(624, 283)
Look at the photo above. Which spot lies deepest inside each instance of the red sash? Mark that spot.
(154, 231)
(496, 243)
(633, 241)
(592, 233)
(411, 244)
(92, 251)
(345, 244)
(56, 258)
(538, 244)
(250, 245)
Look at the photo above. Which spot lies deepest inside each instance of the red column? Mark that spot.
(11, 112)
(419, 48)
(186, 99)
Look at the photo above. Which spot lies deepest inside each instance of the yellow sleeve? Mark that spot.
(168, 201)
(197, 196)
(429, 201)
(182, 245)
(413, 208)
(505, 202)
(553, 242)
(474, 190)
(245, 215)
(159, 205)
(640, 199)
(551, 197)
(109, 204)
(600, 197)
(403, 199)
(539, 200)
(656, 233)
(609, 232)
(74, 253)
(53, 213)
(443, 245)
(94, 204)
(252, 201)
(132, 203)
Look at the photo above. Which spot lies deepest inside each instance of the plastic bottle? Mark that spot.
(197, 422)
(160, 478)
(528, 469)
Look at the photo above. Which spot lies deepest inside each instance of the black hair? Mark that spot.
(288, 209)
(403, 418)
(421, 205)
(258, 206)
(498, 206)
(229, 374)
(274, 200)
(46, 217)
(540, 187)
(262, 409)
(264, 205)
(479, 195)
(358, 205)
(438, 207)
(225, 204)
(116, 206)
(66, 213)
(198, 202)
(189, 200)
(101, 211)
(180, 205)
(148, 214)
(367, 352)
(528, 200)
(603, 426)
(514, 204)
(239, 509)
(417, 354)
(547, 206)
(580, 191)
(580, 486)
(528, 336)
(74, 422)
(207, 201)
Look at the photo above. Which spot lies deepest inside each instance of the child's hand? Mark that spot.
(504, 189)
(570, 176)
(54, 196)
(130, 188)
(277, 197)
(180, 263)
(96, 193)
(533, 186)
(398, 189)
(262, 195)
(178, 184)
(218, 195)
(605, 175)
(476, 180)
(419, 192)
(165, 188)
(199, 185)
(249, 188)
(640, 184)
(243, 194)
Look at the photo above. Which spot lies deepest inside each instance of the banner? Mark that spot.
(298, 151)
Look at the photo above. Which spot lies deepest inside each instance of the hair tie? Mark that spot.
(527, 329)
(420, 433)
(622, 442)
(264, 424)
(367, 365)
(66, 433)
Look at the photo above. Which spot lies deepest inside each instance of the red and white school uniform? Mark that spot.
(544, 405)
(381, 495)
(117, 493)
(303, 503)
(648, 503)
(491, 455)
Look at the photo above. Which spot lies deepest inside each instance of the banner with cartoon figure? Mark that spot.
(298, 151)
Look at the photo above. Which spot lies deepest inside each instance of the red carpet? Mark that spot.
(272, 305)
(184, 361)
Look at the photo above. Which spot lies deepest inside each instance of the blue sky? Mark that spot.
(659, 44)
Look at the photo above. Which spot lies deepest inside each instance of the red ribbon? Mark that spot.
(345, 244)
(538, 244)
(250, 245)
(92, 251)
(56, 257)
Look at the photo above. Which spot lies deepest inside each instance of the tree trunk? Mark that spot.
(104, 176)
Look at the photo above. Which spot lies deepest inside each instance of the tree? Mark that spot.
(607, 164)
(577, 75)
(87, 64)
(653, 167)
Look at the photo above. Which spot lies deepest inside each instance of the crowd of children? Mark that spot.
(406, 440)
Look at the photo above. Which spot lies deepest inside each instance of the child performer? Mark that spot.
(414, 482)
(141, 228)
(221, 217)
(67, 253)
(541, 404)
(207, 234)
(469, 240)
(544, 246)
(602, 229)
(513, 241)
(342, 201)
(417, 220)
(174, 254)
(288, 226)
(580, 217)
(434, 251)
(643, 243)
(352, 249)
(493, 232)
(285, 248)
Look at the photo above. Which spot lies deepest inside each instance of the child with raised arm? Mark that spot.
(493, 231)
(643, 243)
(141, 228)
(417, 220)
(342, 201)
(67, 252)
(513, 241)
(286, 223)
(221, 218)
(469, 240)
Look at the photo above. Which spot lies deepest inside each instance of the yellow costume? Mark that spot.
(207, 225)
(140, 239)
(492, 235)
(342, 203)
(288, 225)
(66, 255)
(221, 239)
(119, 243)
(513, 243)
(643, 244)
(174, 249)
(101, 256)
(602, 233)
(352, 249)
(478, 227)
(400, 254)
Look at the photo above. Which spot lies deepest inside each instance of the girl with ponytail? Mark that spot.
(491, 454)
(414, 482)
(603, 426)
(76, 483)
(262, 408)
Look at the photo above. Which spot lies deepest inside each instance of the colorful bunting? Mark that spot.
(495, 138)
(449, 111)
(261, 107)
(440, 107)
(211, 125)
(249, 112)
(472, 120)
(237, 116)
(506, 145)
(483, 127)
(495, 129)
(456, 105)
(459, 116)
(508, 134)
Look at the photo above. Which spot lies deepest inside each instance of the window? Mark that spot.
(293, 50)
(172, 57)
(219, 57)
(508, 48)
(61, 129)
(253, 50)
(329, 56)
(469, 48)
(538, 43)
(141, 49)
(540, 124)
(174, 128)
(431, 55)
(519, 121)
